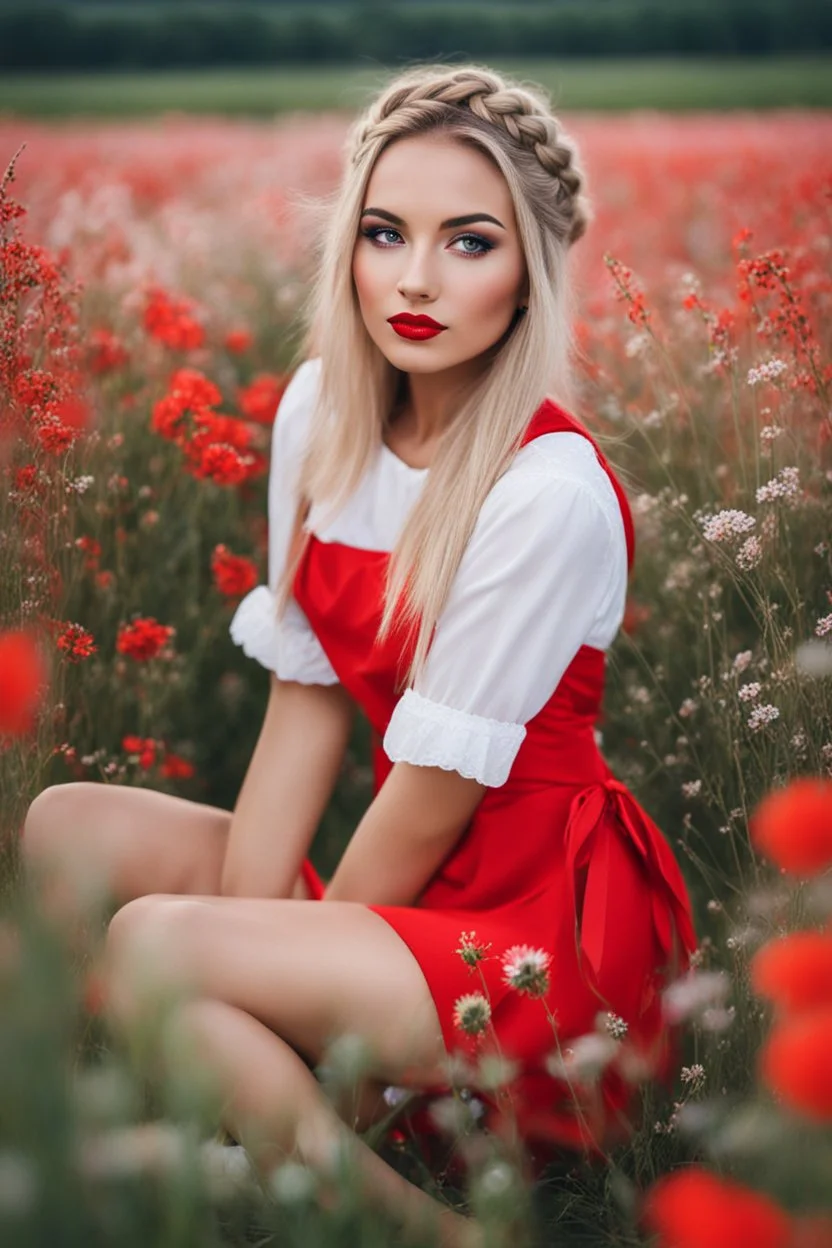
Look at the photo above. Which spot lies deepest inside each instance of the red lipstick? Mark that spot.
(416, 328)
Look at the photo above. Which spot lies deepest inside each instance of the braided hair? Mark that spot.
(432, 96)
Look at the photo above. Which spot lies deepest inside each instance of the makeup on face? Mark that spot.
(412, 256)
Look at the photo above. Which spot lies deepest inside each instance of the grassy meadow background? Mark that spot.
(170, 205)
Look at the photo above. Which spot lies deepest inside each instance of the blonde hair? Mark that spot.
(512, 123)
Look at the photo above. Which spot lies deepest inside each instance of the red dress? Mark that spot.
(560, 857)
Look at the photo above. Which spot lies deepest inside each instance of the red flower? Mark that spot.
(22, 676)
(175, 768)
(222, 464)
(144, 747)
(27, 480)
(260, 398)
(237, 341)
(54, 436)
(234, 575)
(192, 389)
(144, 638)
(793, 826)
(172, 321)
(106, 353)
(794, 1062)
(795, 972)
(76, 643)
(695, 1209)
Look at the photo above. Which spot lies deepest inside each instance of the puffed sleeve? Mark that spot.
(288, 646)
(543, 573)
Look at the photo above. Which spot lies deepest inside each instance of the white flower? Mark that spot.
(472, 1013)
(769, 433)
(292, 1184)
(692, 788)
(694, 992)
(693, 1074)
(741, 661)
(726, 524)
(687, 708)
(585, 1061)
(814, 658)
(785, 485)
(613, 1024)
(824, 625)
(769, 371)
(527, 970)
(762, 715)
(747, 693)
(750, 553)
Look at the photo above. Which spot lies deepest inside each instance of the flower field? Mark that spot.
(150, 280)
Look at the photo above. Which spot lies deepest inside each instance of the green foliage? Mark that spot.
(161, 36)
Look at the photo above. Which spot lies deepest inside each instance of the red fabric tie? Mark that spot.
(628, 872)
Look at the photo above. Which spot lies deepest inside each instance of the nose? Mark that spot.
(417, 280)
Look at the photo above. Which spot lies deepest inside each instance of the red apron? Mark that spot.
(560, 857)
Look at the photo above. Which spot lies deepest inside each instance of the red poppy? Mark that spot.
(260, 398)
(175, 768)
(793, 826)
(238, 341)
(143, 638)
(795, 972)
(106, 353)
(234, 575)
(695, 1209)
(144, 747)
(173, 321)
(222, 464)
(795, 1063)
(22, 676)
(76, 643)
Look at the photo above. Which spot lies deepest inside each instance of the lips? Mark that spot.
(406, 325)
(407, 318)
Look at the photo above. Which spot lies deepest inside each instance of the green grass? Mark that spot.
(666, 83)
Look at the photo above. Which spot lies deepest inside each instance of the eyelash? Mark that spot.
(374, 230)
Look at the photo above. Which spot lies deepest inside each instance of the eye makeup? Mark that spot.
(373, 233)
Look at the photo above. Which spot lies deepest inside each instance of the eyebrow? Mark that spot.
(450, 224)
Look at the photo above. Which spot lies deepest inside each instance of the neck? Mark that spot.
(429, 402)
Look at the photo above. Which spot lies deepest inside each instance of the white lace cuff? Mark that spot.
(287, 647)
(429, 734)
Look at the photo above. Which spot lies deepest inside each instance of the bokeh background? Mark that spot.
(163, 151)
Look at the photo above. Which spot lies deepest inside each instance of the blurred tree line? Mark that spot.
(163, 34)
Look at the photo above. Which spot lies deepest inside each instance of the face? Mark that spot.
(438, 239)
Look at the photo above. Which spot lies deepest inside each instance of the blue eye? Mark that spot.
(374, 233)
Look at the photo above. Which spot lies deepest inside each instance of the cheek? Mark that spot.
(363, 277)
(494, 288)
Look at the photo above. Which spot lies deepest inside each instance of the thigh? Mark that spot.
(311, 973)
(132, 841)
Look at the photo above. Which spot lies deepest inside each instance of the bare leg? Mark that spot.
(271, 983)
(85, 841)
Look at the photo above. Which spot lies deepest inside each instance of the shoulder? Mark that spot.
(296, 403)
(557, 486)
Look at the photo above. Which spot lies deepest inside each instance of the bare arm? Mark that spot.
(412, 825)
(289, 781)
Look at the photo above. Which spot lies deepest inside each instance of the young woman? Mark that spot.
(449, 554)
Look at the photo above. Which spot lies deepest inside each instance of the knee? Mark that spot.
(49, 817)
(150, 944)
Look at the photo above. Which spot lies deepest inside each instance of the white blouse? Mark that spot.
(544, 572)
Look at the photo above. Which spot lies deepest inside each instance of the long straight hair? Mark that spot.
(514, 126)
